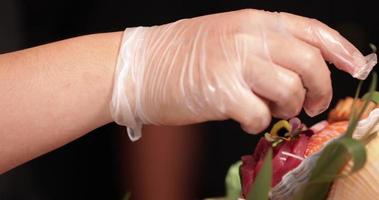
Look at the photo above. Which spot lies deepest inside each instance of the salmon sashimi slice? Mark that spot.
(318, 140)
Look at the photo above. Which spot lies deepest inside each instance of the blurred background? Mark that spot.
(168, 162)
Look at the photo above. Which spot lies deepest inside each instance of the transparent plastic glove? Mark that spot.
(246, 65)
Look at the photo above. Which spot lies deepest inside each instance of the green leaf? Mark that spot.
(262, 184)
(329, 165)
(354, 118)
(356, 151)
(233, 181)
(336, 155)
(374, 98)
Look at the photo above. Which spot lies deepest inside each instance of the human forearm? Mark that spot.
(53, 94)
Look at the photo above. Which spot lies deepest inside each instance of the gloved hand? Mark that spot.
(246, 65)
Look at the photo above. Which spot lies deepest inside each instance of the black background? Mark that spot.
(88, 168)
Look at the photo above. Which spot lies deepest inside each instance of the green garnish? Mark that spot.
(262, 184)
(233, 181)
(336, 154)
(374, 98)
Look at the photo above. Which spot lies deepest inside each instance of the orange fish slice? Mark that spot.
(343, 109)
(330, 132)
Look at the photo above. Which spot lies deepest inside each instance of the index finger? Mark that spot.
(334, 47)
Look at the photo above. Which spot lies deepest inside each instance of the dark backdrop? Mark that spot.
(88, 168)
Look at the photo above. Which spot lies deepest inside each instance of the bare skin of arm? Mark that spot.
(53, 94)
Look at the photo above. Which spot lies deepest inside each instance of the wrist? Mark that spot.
(124, 103)
(106, 61)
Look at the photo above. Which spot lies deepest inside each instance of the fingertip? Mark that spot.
(257, 126)
(251, 112)
(313, 111)
(249, 130)
(364, 65)
(334, 47)
(343, 54)
(317, 104)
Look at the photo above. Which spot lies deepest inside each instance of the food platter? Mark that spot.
(337, 158)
